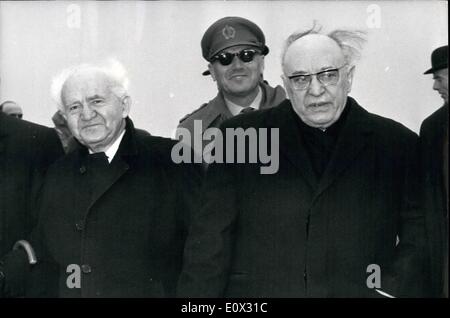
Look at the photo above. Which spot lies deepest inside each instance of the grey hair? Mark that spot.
(351, 42)
(112, 68)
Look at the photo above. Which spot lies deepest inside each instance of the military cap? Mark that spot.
(439, 59)
(231, 31)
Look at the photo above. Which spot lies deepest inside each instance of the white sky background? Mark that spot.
(159, 44)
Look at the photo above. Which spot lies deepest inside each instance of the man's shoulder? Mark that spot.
(155, 147)
(388, 128)
(23, 128)
(198, 114)
(156, 143)
(435, 121)
(158, 152)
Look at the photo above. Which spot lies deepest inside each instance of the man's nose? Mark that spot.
(315, 88)
(436, 85)
(236, 63)
(88, 112)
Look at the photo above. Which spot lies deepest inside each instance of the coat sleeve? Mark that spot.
(406, 275)
(14, 267)
(208, 246)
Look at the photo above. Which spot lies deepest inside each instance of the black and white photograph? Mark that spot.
(217, 152)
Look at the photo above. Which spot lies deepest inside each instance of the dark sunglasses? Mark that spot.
(226, 58)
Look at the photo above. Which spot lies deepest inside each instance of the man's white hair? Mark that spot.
(350, 41)
(112, 68)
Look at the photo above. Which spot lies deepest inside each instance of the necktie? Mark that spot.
(97, 168)
(97, 160)
(246, 110)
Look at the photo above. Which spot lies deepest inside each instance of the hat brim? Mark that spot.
(434, 69)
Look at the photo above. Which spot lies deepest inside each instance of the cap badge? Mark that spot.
(228, 32)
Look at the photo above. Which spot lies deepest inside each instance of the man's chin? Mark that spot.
(92, 140)
(320, 122)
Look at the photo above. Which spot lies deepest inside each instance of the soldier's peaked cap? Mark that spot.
(232, 31)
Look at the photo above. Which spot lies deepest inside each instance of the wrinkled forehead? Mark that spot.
(84, 84)
(312, 53)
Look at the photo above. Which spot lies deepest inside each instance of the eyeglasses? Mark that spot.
(226, 58)
(326, 78)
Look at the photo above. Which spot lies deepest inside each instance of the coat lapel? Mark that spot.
(351, 141)
(291, 145)
(122, 162)
(218, 112)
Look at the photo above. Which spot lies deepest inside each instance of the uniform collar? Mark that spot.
(236, 109)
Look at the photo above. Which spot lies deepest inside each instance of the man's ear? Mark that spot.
(286, 85)
(262, 64)
(211, 70)
(350, 74)
(126, 104)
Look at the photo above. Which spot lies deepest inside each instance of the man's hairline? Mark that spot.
(113, 83)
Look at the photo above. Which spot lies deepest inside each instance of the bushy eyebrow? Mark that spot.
(90, 98)
(322, 69)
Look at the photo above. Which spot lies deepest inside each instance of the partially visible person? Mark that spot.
(117, 207)
(434, 154)
(235, 49)
(62, 130)
(12, 109)
(26, 151)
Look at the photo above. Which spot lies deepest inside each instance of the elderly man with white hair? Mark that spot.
(113, 213)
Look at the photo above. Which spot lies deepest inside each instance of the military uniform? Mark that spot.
(213, 113)
(221, 35)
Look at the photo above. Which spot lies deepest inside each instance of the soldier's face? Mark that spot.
(318, 105)
(441, 83)
(95, 115)
(238, 79)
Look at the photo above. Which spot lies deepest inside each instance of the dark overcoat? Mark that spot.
(434, 162)
(26, 150)
(290, 234)
(126, 233)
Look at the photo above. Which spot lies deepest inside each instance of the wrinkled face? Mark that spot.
(318, 105)
(95, 115)
(239, 78)
(441, 83)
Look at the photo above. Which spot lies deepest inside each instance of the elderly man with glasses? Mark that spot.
(235, 49)
(338, 219)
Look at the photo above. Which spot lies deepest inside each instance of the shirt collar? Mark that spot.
(236, 109)
(112, 150)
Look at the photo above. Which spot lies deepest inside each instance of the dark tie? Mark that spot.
(97, 168)
(97, 160)
(247, 110)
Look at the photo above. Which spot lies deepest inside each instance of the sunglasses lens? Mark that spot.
(225, 58)
(246, 55)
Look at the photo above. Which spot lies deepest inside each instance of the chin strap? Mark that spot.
(28, 249)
